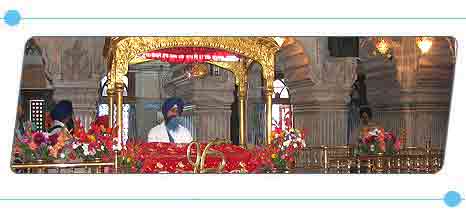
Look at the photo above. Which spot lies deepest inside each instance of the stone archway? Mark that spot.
(293, 59)
(320, 86)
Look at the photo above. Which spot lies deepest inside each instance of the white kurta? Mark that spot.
(57, 123)
(159, 134)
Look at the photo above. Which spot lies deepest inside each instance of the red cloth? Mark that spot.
(187, 55)
(171, 157)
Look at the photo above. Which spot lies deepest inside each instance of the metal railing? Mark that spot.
(341, 159)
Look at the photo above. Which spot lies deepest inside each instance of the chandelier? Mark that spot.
(384, 45)
(424, 44)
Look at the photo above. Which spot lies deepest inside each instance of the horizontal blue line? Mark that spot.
(221, 199)
(244, 18)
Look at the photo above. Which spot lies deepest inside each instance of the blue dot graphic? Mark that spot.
(452, 199)
(12, 17)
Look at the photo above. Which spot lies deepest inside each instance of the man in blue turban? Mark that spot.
(62, 116)
(171, 130)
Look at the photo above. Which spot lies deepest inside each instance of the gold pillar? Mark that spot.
(268, 112)
(110, 94)
(119, 106)
(239, 69)
(242, 95)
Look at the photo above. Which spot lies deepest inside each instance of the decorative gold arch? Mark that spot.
(123, 51)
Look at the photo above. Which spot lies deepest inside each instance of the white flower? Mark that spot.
(372, 148)
(62, 155)
(102, 147)
(85, 149)
(287, 143)
(374, 132)
(75, 145)
(117, 147)
(295, 145)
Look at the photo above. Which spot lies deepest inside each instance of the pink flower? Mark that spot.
(389, 136)
(365, 140)
(39, 138)
(397, 145)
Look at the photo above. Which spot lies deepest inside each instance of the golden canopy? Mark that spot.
(123, 51)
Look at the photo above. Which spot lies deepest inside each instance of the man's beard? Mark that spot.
(172, 123)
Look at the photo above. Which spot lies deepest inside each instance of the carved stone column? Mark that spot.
(320, 106)
(75, 65)
(255, 107)
(413, 91)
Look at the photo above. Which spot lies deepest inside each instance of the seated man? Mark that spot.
(62, 127)
(366, 124)
(62, 116)
(170, 130)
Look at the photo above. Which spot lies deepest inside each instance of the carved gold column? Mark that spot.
(268, 111)
(242, 96)
(239, 69)
(119, 106)
(110, 94)
(268, 73)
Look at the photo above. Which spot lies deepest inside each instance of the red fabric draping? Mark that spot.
(171, 157)
(189, 55)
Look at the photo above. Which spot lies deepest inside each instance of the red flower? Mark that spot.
(72, 156)
(107, 158)
(38, 138)
(102, 121)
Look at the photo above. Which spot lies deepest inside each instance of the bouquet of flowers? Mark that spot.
(37, 145)
(281, 153)
(377, 141)
(95, 144)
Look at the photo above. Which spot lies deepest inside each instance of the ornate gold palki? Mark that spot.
(120, 52)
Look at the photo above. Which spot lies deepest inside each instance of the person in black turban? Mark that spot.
(62, 116)
(171, 129)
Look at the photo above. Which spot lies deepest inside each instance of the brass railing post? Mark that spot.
(110, 96)
(325, 159)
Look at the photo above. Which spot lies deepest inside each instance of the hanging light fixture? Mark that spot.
(279, 40)
(382, 46)
(197, 71)
(424, 44)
